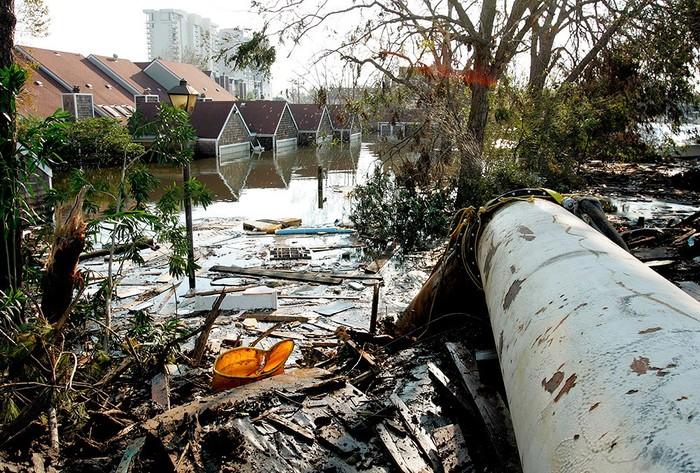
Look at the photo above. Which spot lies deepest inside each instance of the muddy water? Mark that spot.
(271, 185)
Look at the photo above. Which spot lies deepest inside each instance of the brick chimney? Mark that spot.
(77, 104)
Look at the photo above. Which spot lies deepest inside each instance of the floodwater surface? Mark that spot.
(268, 186)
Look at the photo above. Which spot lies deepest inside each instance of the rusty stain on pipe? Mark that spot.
(599, 354)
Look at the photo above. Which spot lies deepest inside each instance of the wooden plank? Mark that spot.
(424, 441)
(279, 334)
(266, 333)
(449, 385)
(403, 451)
(660, 263)
(270, 273)
(261, 226)
(450, 442)
(214, 292)
(291, 427)
(329, 297)
(490, 406)
(275, 317)
(659, 253)
(368, 358)
(201, 344)
(297, 381)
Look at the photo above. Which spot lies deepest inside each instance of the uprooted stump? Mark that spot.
(61, 273)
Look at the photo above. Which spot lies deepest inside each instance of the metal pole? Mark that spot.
(375, 310)
(320, 187)
(188, 226)
(600, 355)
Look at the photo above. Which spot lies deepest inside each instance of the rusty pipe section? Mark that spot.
(600, 355)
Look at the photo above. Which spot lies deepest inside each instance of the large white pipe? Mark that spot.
(600, 355)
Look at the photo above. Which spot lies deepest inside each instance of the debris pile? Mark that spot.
(359, 392)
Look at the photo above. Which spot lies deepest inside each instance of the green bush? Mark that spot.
(384, 212)
(501, 175)
(97, 142)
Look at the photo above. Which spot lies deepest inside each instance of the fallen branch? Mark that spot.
(201, 343)
(267, 333)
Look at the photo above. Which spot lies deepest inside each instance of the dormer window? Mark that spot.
(108, 86)
(89, 86)
(39, 83)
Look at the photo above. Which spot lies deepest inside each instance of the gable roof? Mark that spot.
(71, 69)
(133, 74)
(262, 116)
(41, 95)
(207, 119)
(307, 116)
(196, 78)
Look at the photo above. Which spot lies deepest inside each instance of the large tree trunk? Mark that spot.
(540, 58)
(10, 230)
(470, 168)
(7, 31)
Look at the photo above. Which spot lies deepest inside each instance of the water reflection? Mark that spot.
(286, 185)
(271, 185)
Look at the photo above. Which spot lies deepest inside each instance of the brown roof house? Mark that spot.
(221, 130)
(169, 73)
(41, 96)
(272, 124)
(314, 122)
(78, 86)
(346, 126)
(131, 77)
(400, 124)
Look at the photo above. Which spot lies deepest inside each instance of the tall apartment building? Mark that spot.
(244, 83)
(176, 35)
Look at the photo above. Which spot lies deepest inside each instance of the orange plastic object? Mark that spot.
(245, 365)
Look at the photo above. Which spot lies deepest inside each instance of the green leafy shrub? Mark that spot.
(97, 142)
(385, 211)
(500, 176)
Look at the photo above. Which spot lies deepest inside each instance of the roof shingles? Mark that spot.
(307, 116)
(132, 73)
(41, 95)
(208, 118)
(75, 70)
(262, 116)
(197, 79)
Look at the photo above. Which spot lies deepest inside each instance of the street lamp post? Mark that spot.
(184, 97)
